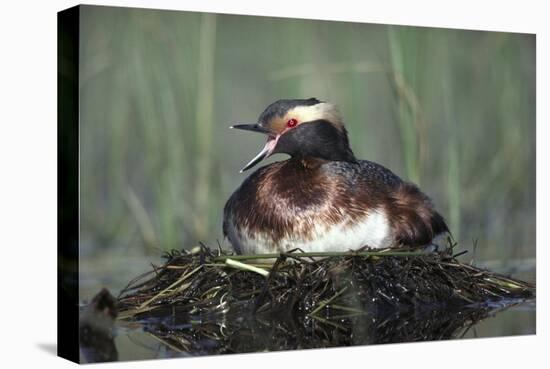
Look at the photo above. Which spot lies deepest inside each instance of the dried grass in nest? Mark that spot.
(329, 287)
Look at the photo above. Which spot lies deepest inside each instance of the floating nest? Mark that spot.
(204, 284)
(214, 302)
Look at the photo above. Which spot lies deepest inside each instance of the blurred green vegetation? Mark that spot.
(451, 110)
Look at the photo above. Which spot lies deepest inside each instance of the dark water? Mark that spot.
(170, 336)
(176, 335)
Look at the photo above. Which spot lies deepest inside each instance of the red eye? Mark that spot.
(291, 123)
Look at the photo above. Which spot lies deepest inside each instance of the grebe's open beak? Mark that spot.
(268, 148)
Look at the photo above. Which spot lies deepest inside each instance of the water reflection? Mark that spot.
(169, 334)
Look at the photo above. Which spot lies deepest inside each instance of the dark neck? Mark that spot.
(317, 139)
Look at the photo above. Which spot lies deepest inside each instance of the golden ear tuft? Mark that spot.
(323, 110)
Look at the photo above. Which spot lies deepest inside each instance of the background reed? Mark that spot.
(451, 110)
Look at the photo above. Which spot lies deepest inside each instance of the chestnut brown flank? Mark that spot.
(287, 198)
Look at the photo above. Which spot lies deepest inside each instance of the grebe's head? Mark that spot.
(301, 128)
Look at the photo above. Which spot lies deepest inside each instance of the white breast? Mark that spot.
(373, 231)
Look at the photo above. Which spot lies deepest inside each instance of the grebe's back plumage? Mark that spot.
(322, 198)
